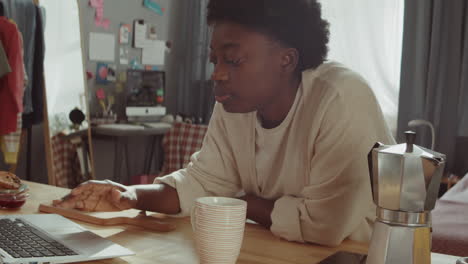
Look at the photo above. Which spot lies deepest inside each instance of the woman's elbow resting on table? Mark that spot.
(337, 229)
(305, 220)
(331, 237)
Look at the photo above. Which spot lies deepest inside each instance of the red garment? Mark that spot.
(12, 84)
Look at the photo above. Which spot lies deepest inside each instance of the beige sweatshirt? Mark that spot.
(318, 174)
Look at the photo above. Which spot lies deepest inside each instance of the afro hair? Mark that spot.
(293, 23)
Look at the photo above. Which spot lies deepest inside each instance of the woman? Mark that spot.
(290, 133)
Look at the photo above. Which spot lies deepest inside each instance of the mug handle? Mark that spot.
(193, 216)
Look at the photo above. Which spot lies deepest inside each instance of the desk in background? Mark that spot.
(65, 164)
(177, 247)
(120, 135)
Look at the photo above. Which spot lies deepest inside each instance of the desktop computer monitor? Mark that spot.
(145, 92)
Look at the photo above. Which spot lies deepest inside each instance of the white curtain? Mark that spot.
(366, 36)
(63, 61)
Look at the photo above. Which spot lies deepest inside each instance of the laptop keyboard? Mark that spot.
(21, 240)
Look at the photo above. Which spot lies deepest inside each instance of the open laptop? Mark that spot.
(51, 238)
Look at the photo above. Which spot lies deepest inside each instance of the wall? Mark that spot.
(119, 12)
(125, 12)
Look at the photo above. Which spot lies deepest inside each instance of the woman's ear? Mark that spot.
(290, 60)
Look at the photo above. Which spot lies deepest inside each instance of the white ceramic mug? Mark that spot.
(218, 224)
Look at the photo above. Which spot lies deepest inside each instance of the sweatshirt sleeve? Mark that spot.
(337, 199)
(211, 171)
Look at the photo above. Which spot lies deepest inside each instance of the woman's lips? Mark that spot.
(223, 98)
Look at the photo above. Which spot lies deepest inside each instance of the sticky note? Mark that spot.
(99, 19)
(105, 23)
(122, 76)
(96, 3)
(119, 88)
(153, 6)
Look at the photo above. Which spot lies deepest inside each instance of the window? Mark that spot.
(63, 63)
(366, 36)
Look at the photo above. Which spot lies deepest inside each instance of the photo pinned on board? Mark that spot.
(111, 73)
(101, 73)
(125, 33)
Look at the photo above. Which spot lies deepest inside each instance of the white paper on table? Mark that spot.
(101, 47)
(154, 54)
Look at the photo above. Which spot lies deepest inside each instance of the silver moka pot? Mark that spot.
(405, 182)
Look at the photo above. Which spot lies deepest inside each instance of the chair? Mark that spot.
(179, 144)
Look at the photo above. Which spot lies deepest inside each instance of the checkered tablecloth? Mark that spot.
(66, 164)
(179, 144)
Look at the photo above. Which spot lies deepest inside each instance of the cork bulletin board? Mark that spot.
(101, 22)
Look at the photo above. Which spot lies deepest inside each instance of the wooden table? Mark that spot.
(259, 246)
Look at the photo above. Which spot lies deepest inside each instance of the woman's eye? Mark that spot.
(214, 60)
(234, 62)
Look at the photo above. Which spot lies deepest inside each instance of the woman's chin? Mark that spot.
(237, 109)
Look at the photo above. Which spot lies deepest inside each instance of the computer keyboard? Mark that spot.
(21, 240)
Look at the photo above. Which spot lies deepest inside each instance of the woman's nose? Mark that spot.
(219, 75)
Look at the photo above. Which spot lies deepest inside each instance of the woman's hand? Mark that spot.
(99, 196)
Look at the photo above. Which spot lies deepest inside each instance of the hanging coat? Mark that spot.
(12, 84)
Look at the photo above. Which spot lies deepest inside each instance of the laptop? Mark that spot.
(51, 238)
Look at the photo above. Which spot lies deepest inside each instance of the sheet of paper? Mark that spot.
(101, 47)
(140, 39)
(154, 54)
(123, 55)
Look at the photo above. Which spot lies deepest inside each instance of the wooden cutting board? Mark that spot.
(112, 218)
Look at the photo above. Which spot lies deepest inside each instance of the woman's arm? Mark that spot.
(160, 198)
(259, 209)
(107, 195)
